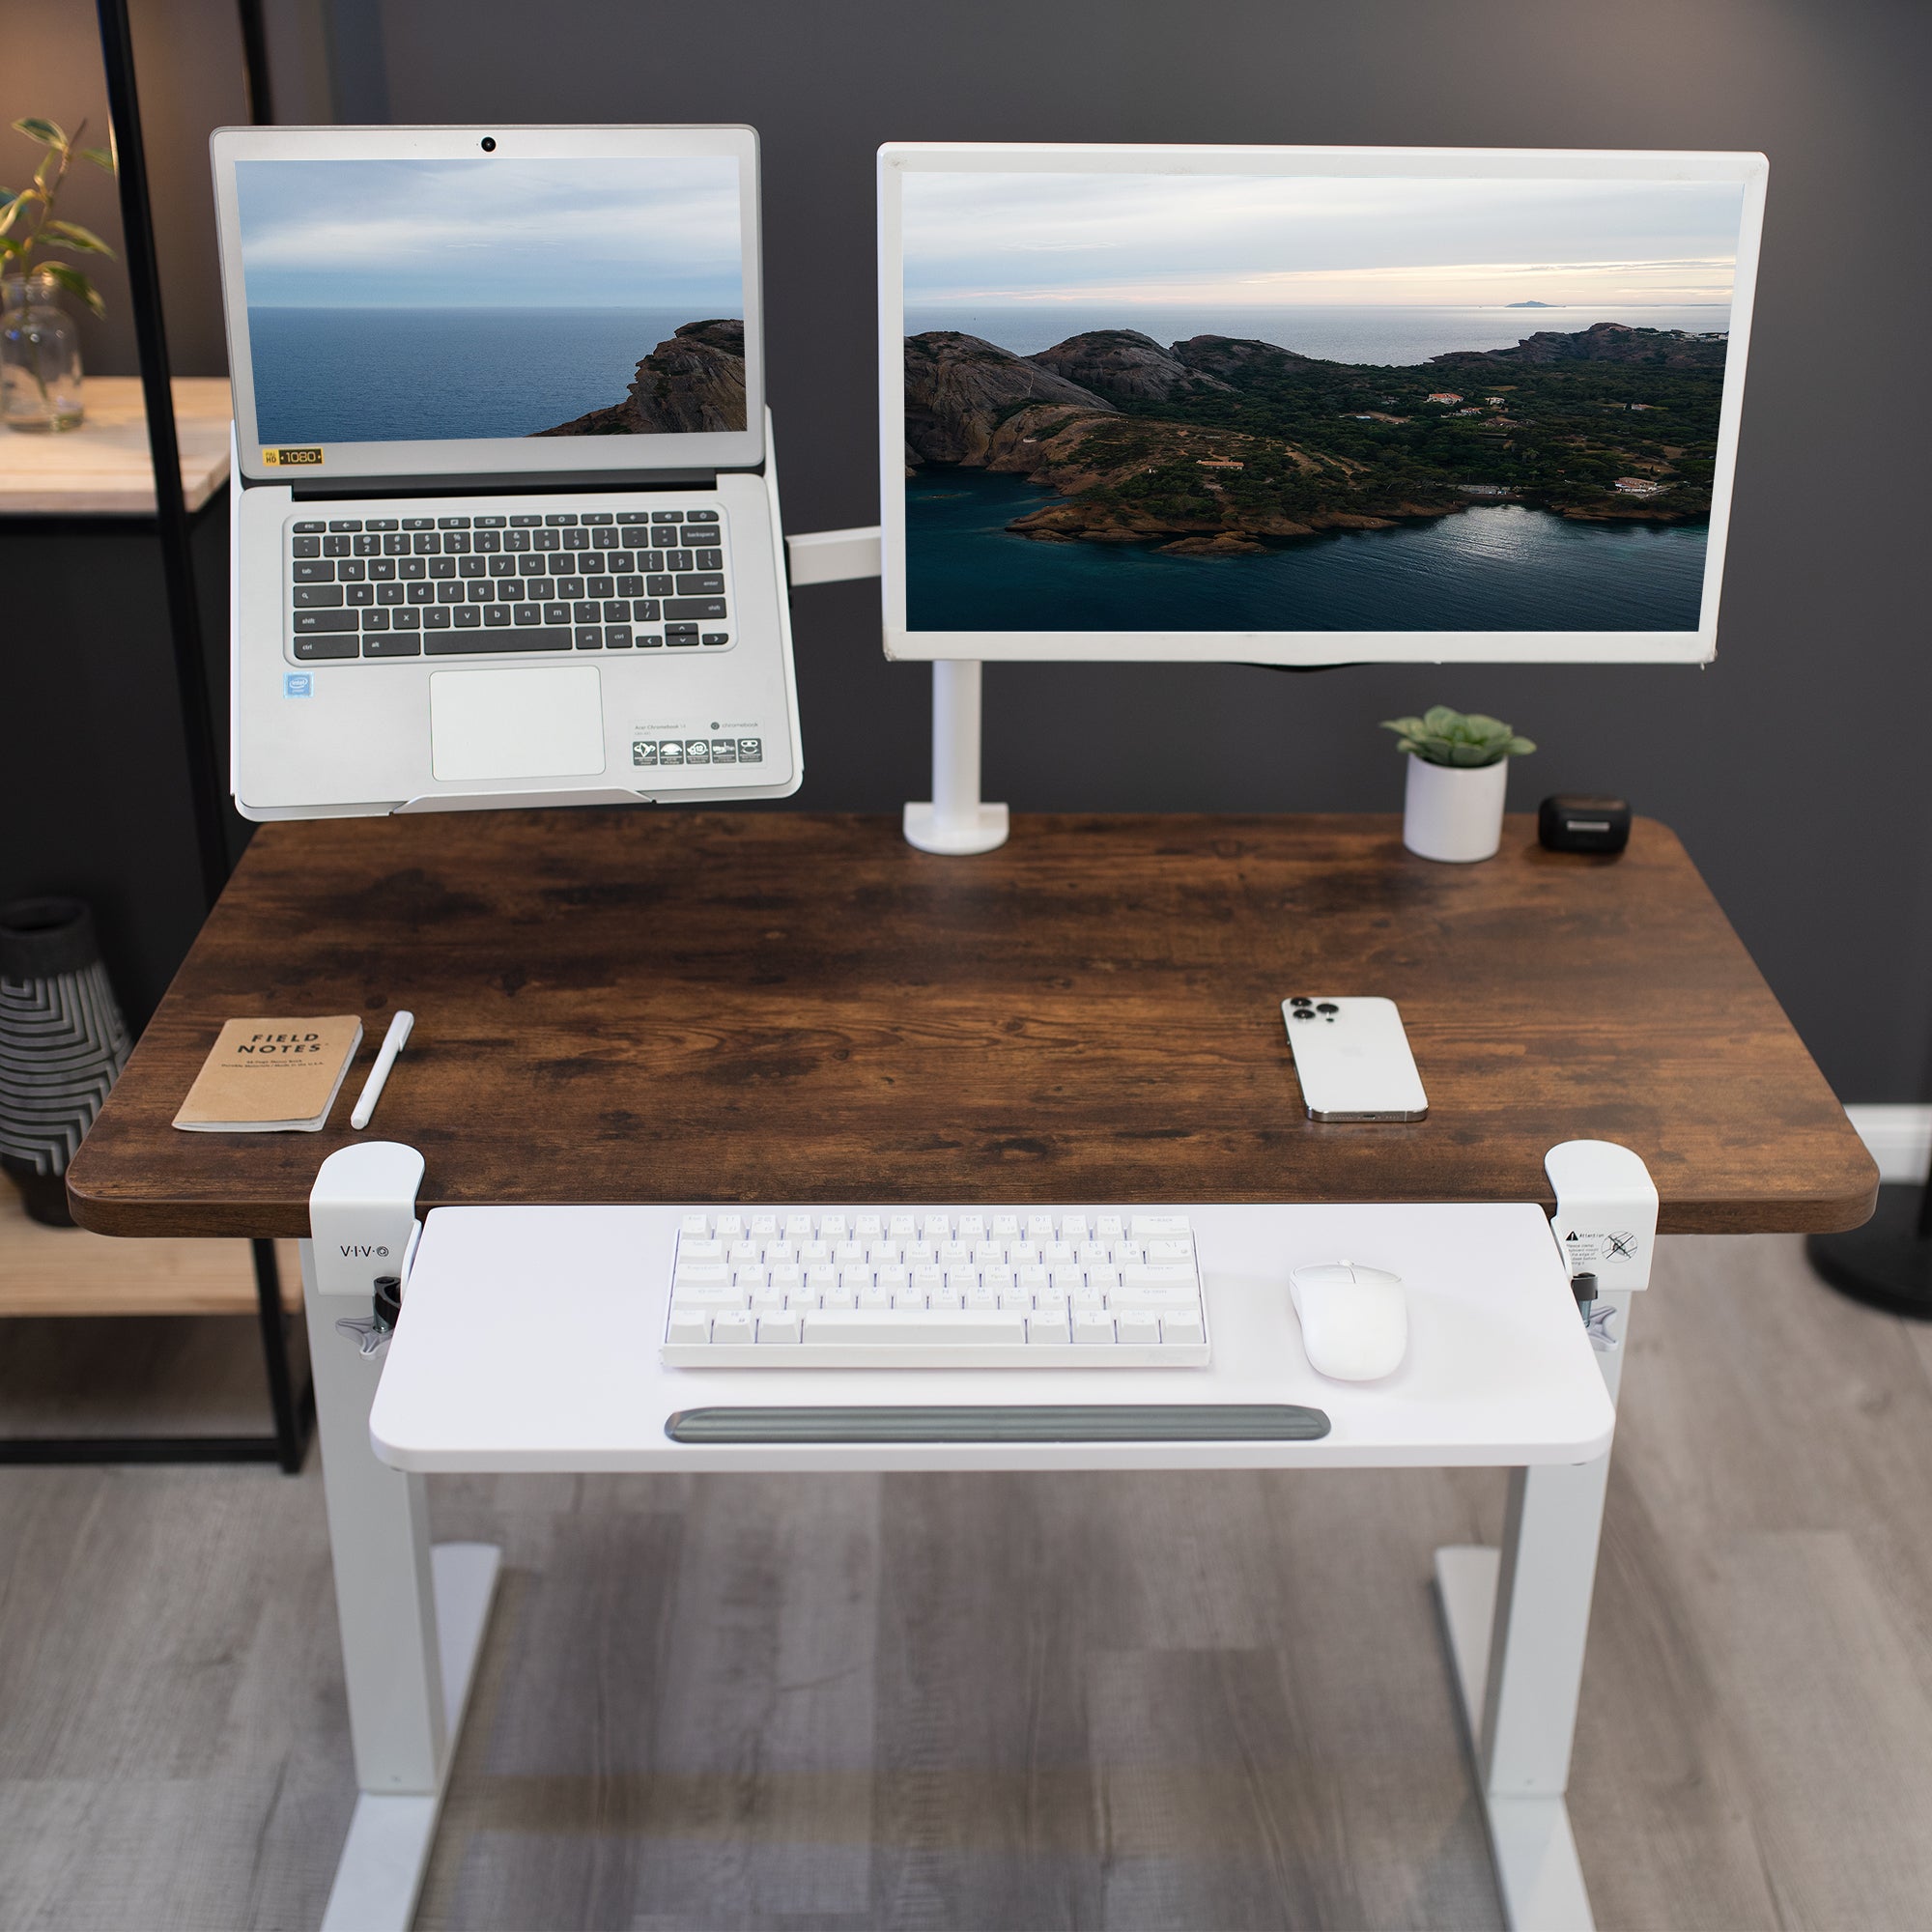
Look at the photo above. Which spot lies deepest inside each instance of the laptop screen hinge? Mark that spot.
(530, 484)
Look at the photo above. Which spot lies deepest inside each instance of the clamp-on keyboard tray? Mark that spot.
(529, 1339)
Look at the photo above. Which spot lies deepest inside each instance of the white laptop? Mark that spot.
(505, 524)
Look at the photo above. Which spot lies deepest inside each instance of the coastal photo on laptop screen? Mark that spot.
(427, 301)
(1145, 401)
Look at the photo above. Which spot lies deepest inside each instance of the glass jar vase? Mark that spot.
(40, 358)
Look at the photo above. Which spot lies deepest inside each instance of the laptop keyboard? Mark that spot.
(491, 584)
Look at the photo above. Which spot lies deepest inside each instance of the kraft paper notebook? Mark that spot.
(265, 1076)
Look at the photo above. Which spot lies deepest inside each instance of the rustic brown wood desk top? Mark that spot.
(778, 1007)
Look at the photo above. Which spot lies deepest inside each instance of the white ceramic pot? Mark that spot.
(1454, 812)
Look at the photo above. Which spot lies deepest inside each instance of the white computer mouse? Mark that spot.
(1354, 1320)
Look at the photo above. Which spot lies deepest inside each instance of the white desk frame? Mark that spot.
(413, 1616)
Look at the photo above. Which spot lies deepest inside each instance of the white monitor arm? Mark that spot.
(955, 820)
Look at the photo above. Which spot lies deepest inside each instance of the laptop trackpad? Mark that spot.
(535, 722)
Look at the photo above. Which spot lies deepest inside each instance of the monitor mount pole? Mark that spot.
(956, 820)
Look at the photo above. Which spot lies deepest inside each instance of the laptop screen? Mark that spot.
(466, 299)
(471, 303)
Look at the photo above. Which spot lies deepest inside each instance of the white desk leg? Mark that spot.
(1516, 1621)
(412, 1623)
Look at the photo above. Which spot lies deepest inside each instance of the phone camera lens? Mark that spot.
(489, 144)
(1301, 999)
(1302, 1013)
(1327, 1006)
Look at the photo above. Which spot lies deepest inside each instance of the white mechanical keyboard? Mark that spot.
(896, 1288)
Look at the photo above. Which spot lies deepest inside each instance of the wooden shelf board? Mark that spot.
(103, 468)
(69, 1272)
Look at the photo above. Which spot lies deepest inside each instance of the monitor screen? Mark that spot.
(446, 301)
(1353, 405)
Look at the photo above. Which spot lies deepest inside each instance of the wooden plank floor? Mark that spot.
(834, 1703)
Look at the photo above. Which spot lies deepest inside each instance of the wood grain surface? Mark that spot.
(792, 1007)
(104, 466)
(69, 1273)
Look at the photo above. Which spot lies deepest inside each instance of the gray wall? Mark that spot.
(1792, 769)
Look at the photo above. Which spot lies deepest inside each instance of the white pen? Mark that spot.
(392, 1044)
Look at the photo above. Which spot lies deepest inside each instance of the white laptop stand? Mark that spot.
(1500, 1373)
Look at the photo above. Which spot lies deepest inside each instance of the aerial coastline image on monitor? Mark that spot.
(394, 301)
(1209, 402)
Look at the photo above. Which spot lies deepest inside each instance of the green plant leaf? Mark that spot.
(100, 157)
(74, 282)
(1444, 736)
(37, 129)
(84, 239)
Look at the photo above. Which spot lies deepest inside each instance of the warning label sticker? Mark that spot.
(1596, 1250)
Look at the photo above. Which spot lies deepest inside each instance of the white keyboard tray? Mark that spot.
(530, 1341)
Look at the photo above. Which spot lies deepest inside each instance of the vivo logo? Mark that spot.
(362, 1251)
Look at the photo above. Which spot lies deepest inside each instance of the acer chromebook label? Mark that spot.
(500, 407)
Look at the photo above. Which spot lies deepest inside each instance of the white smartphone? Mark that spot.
(1352, 1060)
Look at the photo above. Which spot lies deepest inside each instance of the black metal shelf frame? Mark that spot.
(292, 1413)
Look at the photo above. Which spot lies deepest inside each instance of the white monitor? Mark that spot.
(1310, 406)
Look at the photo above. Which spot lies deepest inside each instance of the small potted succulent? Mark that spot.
(1458, 773)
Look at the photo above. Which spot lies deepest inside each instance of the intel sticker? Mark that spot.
(298, 684)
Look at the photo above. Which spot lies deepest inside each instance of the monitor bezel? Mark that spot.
(491, 456)
(897, 159)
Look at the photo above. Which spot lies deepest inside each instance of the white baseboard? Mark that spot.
(1898, 1138)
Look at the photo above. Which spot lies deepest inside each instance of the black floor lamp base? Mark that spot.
(1887, 1262)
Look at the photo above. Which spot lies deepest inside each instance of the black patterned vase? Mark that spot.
(63, 1043)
